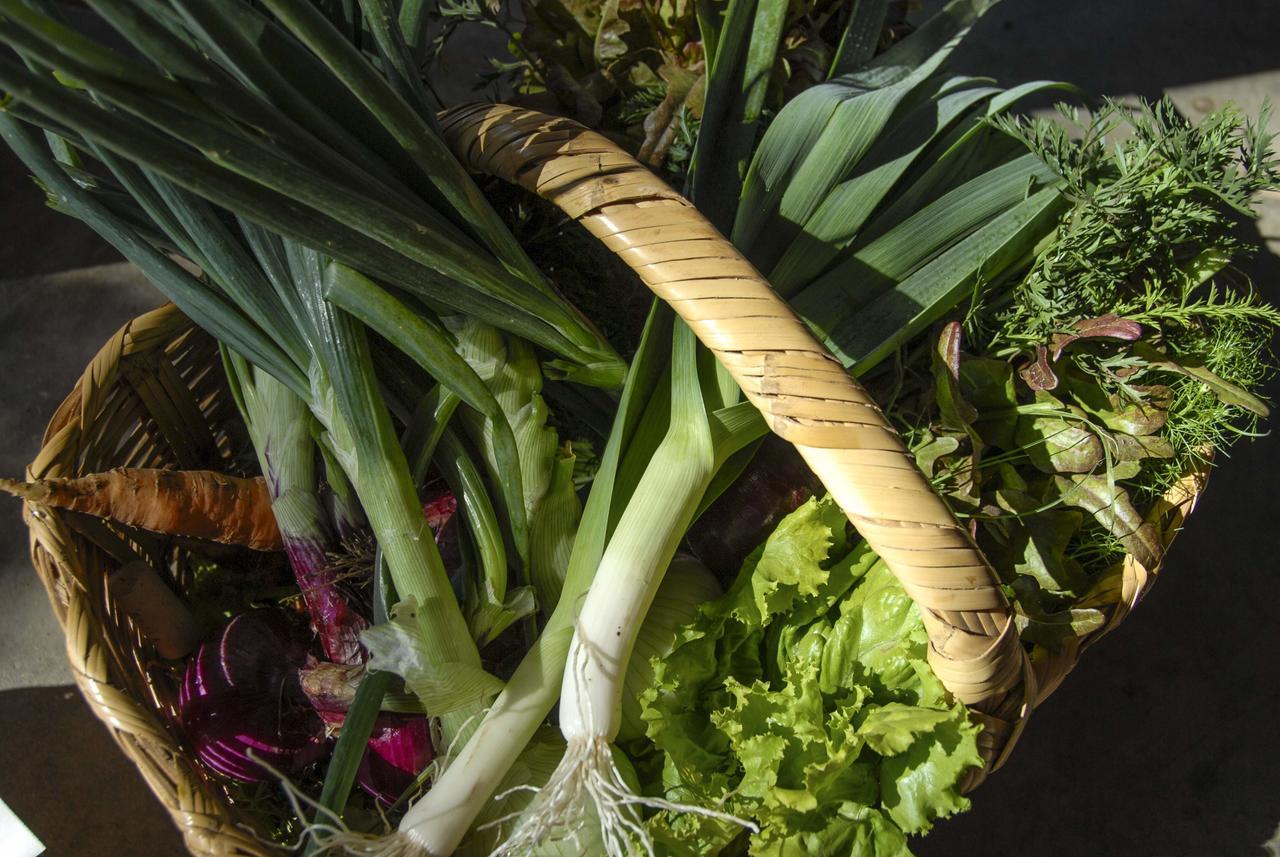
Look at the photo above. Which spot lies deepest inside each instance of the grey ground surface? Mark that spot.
(1164, 742)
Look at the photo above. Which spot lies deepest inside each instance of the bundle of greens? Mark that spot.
(1057, 412)
(801, 699)
(1051, 323)
(639, 70)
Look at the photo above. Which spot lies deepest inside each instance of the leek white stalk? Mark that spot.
(437, 823)
(587, 786)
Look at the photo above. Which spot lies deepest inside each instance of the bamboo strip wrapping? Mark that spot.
(805, 396)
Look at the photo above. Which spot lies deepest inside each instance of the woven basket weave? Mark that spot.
(155, 396)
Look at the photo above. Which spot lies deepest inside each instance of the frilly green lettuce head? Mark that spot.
(802, 700)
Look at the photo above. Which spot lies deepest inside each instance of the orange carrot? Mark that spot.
(198, 504)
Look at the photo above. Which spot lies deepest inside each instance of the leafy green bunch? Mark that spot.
(1125, 357)
(1154, 216)
(802, 699)
(638, 69)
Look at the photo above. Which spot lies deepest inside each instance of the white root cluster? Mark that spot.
(587, 787)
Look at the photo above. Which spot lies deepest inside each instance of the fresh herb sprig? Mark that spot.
(1126, 355)
(1153, 212)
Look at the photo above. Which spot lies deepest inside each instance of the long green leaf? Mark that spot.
(236, 36)
(860, 36)
(819, 137)
(230, 265)
(856, 122)
(874, 269)
(276, 210)
(63, 39)
(215, 314)
(466, 483)
(414, 15)
(846, 208)
(413, 132)
(878, 329)
(384, 23)
(736, 86)
(432, 348)
(940, 33)
(424, 429)
(357, 728)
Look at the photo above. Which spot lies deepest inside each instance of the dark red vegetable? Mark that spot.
(774, 484)
(400, 746)
(398, 751)
(241, 694)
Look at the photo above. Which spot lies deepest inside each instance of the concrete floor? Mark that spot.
(1163, 742)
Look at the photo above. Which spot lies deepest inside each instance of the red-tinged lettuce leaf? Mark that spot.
(988, 386)
(1058, 445)
(1111, 507)
(1039, 374)
(956, 412)
(1109, 326)
(1035, 541)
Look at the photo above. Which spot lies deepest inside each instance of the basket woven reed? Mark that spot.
(155, 396)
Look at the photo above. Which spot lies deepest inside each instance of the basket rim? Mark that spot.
(177, 781)
(200, 814)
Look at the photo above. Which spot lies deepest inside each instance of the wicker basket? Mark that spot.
(155, 396)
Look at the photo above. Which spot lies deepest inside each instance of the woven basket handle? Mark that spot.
(805, 395)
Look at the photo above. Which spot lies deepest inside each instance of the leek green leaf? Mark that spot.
(398, 647)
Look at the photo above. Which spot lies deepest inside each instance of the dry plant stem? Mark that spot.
(197, 504)
(805, 395)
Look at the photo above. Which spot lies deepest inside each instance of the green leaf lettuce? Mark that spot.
(801, 700)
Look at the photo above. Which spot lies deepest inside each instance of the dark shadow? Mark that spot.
(1163, 741)
(37, 239)
(71, 785)
(1109, 47)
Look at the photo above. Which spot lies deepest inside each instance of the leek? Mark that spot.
(631, 525)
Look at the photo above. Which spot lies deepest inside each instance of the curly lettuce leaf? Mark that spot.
(801, 699)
